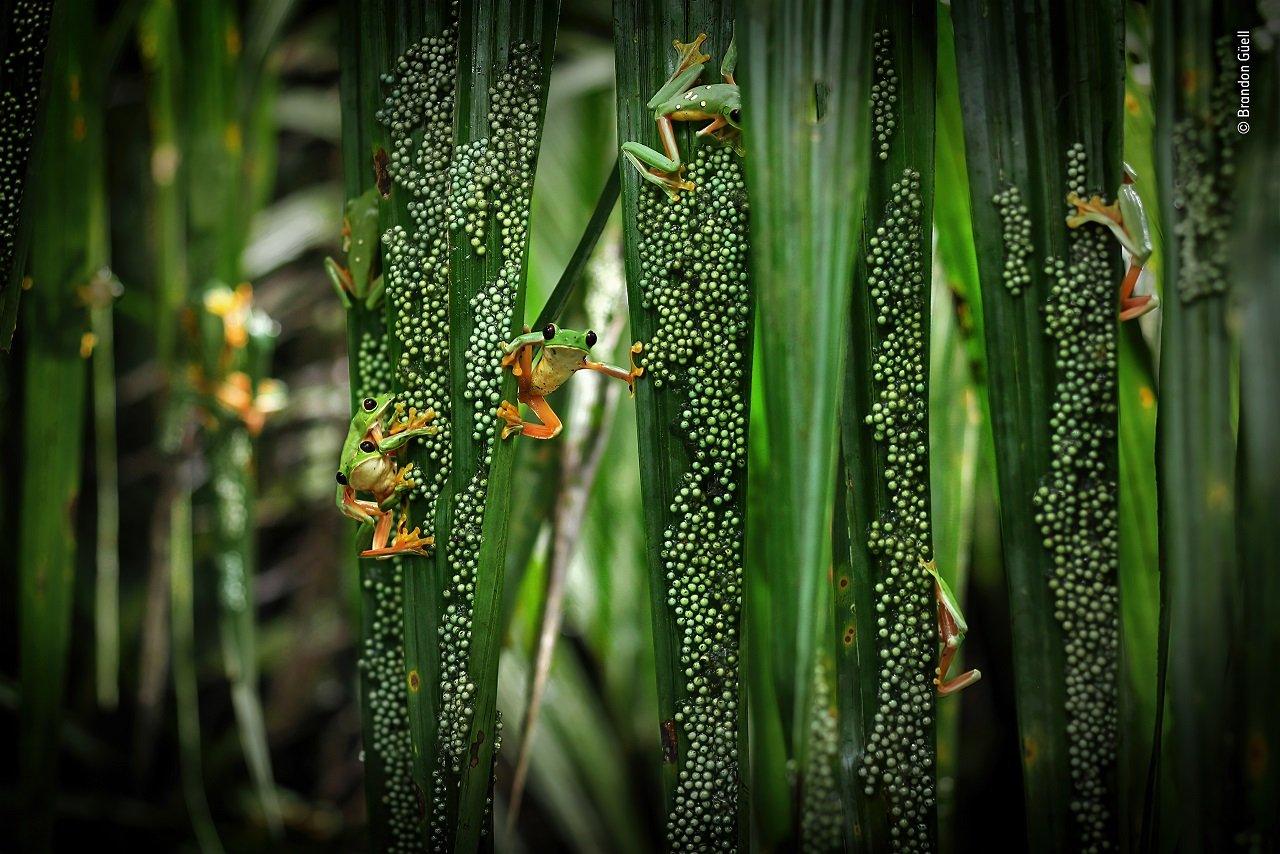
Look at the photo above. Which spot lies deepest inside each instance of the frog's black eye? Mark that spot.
(549, 332)
(591, 338)
(369, 404)
(735, 116)
(342, 478)
(366, 446)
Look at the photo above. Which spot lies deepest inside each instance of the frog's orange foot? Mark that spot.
(402, 481)
(510, 413)
(690, 54)
(673, 182)
(405, 542)
(636, 370)
(952, 686)
(1093, 209)
(414, 420)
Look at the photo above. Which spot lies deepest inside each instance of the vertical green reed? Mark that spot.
(1042, 117)
(885, 626)
(690, 303)
(53, 322)
(806, 103)
(1195, 75)
(1256, 267)
(22, 86)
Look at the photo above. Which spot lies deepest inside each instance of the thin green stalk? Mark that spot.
(106, 618)
(572, 274)
(185, 676)
(54, 405)
(23, 84)
(1257, 269)
(158, 49)
(1195, 74)
(578, 466)
(690, 303)
(885, 444)
(806, 108)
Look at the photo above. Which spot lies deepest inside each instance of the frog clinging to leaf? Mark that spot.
(368, 465)
(563, 352)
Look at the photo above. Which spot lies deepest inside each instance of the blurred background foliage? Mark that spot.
(257, 107)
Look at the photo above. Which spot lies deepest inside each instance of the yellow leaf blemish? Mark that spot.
(1146, 397)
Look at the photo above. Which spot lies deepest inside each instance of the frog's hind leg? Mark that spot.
(663, 169)
(949, 633)
(405, 542)
(1132, 307)
(510, 413)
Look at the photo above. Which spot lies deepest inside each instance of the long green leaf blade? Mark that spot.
(54, 320)
(885, 449)
(806, 106)
(690, 304)
(1042, 117)
(1195, 75)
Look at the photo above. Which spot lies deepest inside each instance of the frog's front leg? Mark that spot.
(400, 434)
(628, 377)
(402, 484)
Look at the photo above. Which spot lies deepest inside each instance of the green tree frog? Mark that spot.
(951, 632)
(1127, 219)
(360, 243)
(564, 352)
(679, 100)
(368, 465)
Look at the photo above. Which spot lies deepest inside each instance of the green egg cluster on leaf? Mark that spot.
(899, 756)
(693, 268)
(1076, 507)
(884, 95)
(1015, 229)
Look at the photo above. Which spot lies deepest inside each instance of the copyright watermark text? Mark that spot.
(1244, 48)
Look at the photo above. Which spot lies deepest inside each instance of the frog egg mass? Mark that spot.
(1015, 225)
(898, 757)
(884, 95)
(463, 197)
(1076, 507)
(693, 279)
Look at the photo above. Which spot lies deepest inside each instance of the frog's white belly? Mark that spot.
(373, 475)
(555, 366)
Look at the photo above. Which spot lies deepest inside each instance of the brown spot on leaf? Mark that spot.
(844, 582)
(1030, 750)
(668, 741)
(380, 173)
(849, 636)
(475, 748)
(415, 681)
